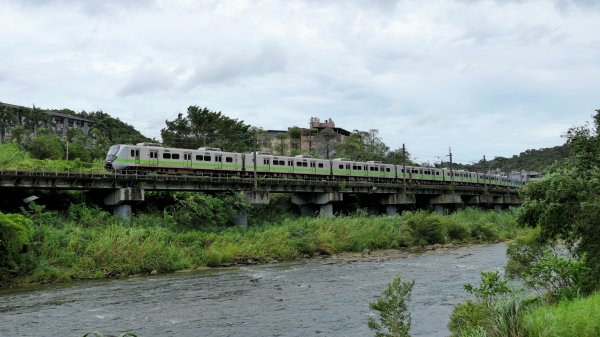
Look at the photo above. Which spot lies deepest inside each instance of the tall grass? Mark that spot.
(577, 318)
(90, 243)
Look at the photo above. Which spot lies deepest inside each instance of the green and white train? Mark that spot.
(150, 157)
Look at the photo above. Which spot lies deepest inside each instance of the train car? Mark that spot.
(150, 157)
(379, 169)
(144, 157)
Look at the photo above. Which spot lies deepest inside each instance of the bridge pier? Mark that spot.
(122, 199)
(393, 201)
(308, 202)
(440, 202)
(251, 197)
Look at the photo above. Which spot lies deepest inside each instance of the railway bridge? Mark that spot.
(314, 195)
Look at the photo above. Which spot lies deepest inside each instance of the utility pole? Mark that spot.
(254, 159)
(451, 172)
(404, 166)
(485, 174)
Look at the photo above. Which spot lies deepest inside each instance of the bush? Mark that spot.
(394, 317)
(469, 316)
(15, 235)
(457, 231)
(426, 228)
(483, 232)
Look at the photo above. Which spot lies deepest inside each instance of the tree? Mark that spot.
(47, 146)
(394, 317)
(282, 141)
(202, 127)
(363, 146)
(566, 204)
(8, 118)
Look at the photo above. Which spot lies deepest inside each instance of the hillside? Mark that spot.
(529, 160)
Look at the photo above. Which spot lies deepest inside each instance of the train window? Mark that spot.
(312, 164)
(275, 162)
(304, 164)
(266, 161)
(347, 166)
(290, 163)
(199, 158)
(298, 163)
(175, 156)
(415, 171)
(229, 159)
(359, 168)
(166, 156)
(218, 159)
(387, 169)
(137, 153)
(341, 167)
(437, 173)
(282, 163)
(133, 153)
(320, 165)
(207, 158)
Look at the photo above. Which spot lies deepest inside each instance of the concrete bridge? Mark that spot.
(314, 195)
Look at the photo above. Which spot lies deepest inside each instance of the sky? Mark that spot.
(489, 78)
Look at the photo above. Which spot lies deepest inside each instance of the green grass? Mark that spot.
(91, 243)
(577, 318)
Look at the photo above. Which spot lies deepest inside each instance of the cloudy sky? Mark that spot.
(485, 77)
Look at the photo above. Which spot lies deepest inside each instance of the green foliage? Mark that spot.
(561, 276)
(566, 205)
(491, 286)
(469, 316)
(197, 210)
(15, 235)
(202, 127)
(426, 228)
(577, 318)
(392, 308)
(483, 232)
(46, 146)
(11, 153)
(523, 251)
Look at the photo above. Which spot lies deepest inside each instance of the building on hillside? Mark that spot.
(14, 115)
(526, 176)
(312, 137)
(315, 138)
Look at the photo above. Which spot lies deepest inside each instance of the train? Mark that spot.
(147, 158)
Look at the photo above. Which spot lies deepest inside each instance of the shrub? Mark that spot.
(469, 316)
(394, 317)
(426, 228)
(457, 231)
(15, 235)
(483, 232)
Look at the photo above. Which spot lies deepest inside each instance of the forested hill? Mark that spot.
(530, 160)
(117, 131)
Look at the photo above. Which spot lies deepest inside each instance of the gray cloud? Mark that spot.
(269, 58)
(147, 79)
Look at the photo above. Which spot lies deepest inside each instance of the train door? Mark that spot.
(187, 159)
(218, 161)
(135, 153)
(153, 157)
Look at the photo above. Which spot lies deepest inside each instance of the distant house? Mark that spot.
(54, 120)
(310, 139)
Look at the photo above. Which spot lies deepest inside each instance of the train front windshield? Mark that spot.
(112, 153)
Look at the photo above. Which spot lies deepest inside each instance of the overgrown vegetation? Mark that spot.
(393, 318)
(88, 242)
(558, 261)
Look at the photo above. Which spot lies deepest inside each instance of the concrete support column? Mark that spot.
(391, 210)
(241, 218)
(307, 201)
(498, 207)
(326, 211)
(122, 211)
(122, 199)
(439, 208)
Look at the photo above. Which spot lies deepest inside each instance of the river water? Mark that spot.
(315, 297)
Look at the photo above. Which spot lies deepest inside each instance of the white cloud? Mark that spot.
(483, 76)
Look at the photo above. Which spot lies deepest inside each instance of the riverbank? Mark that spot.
(95, 245)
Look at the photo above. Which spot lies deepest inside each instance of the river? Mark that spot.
(314, 297)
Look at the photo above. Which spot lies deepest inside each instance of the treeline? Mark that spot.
(530, 160)
(33, 130)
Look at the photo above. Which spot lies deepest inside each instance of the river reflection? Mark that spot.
(317, 297)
